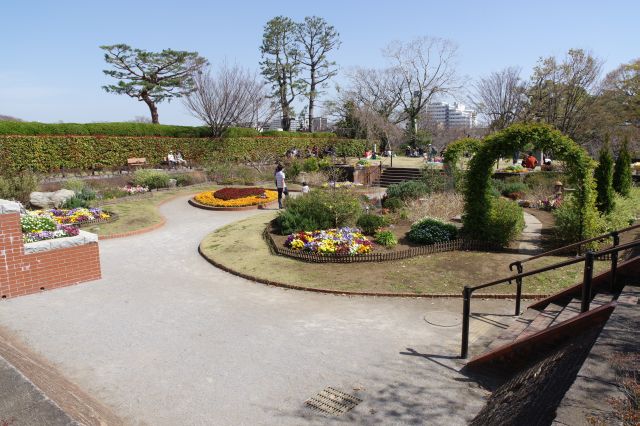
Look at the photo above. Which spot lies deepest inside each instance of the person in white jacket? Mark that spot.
(281, 185)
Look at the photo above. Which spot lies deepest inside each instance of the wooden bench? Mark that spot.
(133, 163)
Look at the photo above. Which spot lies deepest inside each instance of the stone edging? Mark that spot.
(194, 203)
(359, 293)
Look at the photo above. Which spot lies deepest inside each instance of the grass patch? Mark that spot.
(138, 214)
(437, 273)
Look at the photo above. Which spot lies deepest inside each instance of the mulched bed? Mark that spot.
(227, 194)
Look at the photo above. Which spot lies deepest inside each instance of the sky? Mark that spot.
(51, 65)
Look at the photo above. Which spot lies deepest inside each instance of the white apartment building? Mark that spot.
(456, 115)
(276, 124)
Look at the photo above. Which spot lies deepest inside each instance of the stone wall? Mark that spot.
(45, 265)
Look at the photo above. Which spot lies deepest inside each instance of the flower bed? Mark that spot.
(137, 189)
(38, 228)
(75, 216)
(514, 169)
(345, 241)
(244, 197)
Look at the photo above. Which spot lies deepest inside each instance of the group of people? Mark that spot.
(176, 159)
(311, 152)
(429, 154)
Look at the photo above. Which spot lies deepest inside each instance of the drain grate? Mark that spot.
(332, 401)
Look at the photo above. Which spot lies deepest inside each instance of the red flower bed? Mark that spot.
(235, 193)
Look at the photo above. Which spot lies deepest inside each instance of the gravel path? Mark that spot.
(164, 338)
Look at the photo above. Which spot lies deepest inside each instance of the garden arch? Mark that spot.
(515, 138)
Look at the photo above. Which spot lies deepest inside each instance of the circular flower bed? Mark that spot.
(348, 241)
(236, 197)
(75, 216)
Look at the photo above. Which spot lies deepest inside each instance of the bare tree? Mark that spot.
(424, 68)
(317, 38)
(500, 97)
(227, 97)
(561, 93)
(376, 89)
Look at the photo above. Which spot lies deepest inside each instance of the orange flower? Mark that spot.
(207, 198)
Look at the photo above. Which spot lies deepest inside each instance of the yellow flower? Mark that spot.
(208, 199)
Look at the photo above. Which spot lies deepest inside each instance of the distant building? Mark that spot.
(449, 116)
(319, 124)
(276, 124)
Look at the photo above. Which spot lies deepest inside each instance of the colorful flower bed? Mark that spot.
(236, 197)
(39, 228)
(132, 190)
(514, 169)
(74, 216)
(346, 241)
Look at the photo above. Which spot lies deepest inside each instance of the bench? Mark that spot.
(133, 163)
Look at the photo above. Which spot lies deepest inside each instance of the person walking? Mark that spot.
(280, 184)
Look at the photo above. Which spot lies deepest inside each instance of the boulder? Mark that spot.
(59, 197)
(41, 200)
(173, 183)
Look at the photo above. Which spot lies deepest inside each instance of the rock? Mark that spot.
(7, 206)
(59, 197)
(172, 183)
(41, 200)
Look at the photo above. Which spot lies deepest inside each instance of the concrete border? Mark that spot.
(359, 293)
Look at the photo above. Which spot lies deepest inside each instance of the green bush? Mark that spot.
(604, 181)
(393, 203)
(319, 209)
(386, 239)
(282, 134)
(622, 178)
(33, 223)
(152, 179)
(625, 211)
(112, 192)
(240, 132)
(310, 165)
(567, 222)
(513, 188)
(19, 186)
(370, 223)
(74, 184)
(293, 169)
(75, 202)
(107, 129)
(182, 179)
(545, 180)
(431, 231)
(408, 190)
(506, 222)
(435, 179)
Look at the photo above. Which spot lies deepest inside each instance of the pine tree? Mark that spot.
(604, 180)
(622, 170)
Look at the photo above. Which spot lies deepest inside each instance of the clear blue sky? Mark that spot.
(51, 66)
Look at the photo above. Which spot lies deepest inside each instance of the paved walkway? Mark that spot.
(165, 338)
(529, 242)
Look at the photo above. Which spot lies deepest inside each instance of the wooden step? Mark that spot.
(600, 299)
(571, 310)
(541, 321)
(517, 327)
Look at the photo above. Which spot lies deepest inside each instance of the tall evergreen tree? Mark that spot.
(622, 170)
(604, 180)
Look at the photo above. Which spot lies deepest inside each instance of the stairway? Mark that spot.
(391, 175)
(541, 326)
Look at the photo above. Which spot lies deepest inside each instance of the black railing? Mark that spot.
(588, 258)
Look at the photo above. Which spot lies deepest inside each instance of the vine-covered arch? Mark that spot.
(515, 138)
(456, 148)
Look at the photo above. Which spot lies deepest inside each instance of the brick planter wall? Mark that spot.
(22, 274)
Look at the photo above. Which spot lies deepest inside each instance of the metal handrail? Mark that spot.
(614, 234)
(588, 258)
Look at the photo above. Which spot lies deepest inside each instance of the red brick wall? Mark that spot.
(22, 273)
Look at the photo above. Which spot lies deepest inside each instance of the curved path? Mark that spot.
(164, 338)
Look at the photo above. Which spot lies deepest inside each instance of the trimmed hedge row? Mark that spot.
(51, 153)
(107, 129)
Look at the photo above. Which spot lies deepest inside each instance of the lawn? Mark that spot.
(437, 273)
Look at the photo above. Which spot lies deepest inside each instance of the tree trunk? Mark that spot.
(312, 99)
(152, 107)
(286, 120)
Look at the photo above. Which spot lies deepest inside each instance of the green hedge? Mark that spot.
(50, 153)
(283, 134)
(107, 129)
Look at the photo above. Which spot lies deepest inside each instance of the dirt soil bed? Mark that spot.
(431, 274)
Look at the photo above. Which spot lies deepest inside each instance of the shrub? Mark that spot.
(293, 169)
(386, 239)
(430, 231)
(109, 129)
(393, 204)
(370, 223)
(19, 187)
(435, 180)
(622, 171)
(514, 189)
(283, 134)
(567, 222)
(506, 222)
(310, 165)
(74, 203)
(408, 190)
(152, 179)
(74, 184)
(220, 172)
(604, 180)
(319, 210)
(112, 192)
(182, 179)
(239, 132)
(625, 211)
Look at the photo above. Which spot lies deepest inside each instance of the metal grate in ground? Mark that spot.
(332, 401)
